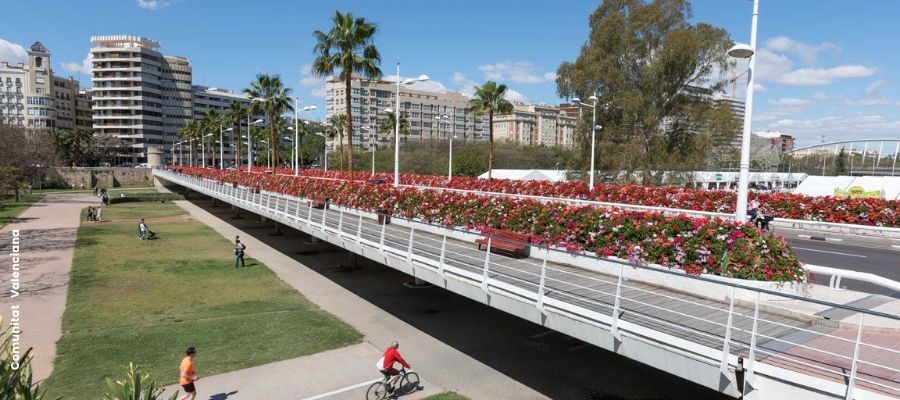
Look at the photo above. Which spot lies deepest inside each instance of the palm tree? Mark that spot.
(489, 100)
(348, 46)
(390, 123)
(272, 98)
(336, 125)
(210, 123)
(236, 113)
(191, 131)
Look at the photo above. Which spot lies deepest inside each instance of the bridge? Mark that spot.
(741, 338)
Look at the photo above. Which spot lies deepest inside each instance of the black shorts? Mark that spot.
(189, 388)
(390, 372)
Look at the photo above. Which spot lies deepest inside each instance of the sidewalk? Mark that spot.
(444, 366)
(333, 375)
(47, 232)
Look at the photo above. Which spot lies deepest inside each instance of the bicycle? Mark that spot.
(409, 382)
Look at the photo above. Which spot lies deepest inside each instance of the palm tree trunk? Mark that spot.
(347, 88)
(490, 144)
(237, 143)
(341, 148)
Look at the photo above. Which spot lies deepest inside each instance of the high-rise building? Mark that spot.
(139, 95)
(531, 124)
(371, 97)
(220, 100)
(72, 104)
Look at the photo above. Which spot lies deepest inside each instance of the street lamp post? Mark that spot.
(397, 125)
(298, 139)
(441, 119)
(741, 50)
(250, 143)
(203, 148)
(222, 146)
(325, 152)
(594, 129)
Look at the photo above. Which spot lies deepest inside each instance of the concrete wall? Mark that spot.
(104, 177)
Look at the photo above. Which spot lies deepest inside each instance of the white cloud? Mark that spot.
(459, 78)
(869, 101)
(837, 127)
(426, 86)
(152, 4)
(76, 68)
(465, 86)
(513, 95)
(873, 88)
(518, 72)
(808, 53)
(789, 102)
(771, 65)
(308, 80)
(823, 76)
(12, 53)
(758, 87)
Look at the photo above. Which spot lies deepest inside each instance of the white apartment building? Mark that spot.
(139, 95)
(218, 99)
(371, 97)
(534, 125)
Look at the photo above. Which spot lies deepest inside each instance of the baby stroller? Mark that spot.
(762, 222)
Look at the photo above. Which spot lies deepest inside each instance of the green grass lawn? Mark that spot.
(446, 396)
(10, 210)
(146, 301)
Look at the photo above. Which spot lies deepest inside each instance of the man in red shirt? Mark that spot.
(386, 365)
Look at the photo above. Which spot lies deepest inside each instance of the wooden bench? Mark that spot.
(319, 202)
(506, 241)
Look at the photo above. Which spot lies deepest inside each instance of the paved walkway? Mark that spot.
(444, 366)
(334, 375)
(47, 233)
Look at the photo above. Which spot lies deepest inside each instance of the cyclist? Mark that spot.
(386, 365)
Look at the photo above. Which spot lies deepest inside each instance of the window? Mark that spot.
(39, 62)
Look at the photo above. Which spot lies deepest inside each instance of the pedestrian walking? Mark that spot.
(187, 376)
(99, 216)
(90, 214)
(143, 231)
(239, 252)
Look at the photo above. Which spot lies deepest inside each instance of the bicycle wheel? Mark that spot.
(376, 391)
(408, 384)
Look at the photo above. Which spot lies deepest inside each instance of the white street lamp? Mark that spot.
(222, 146)
(296, 128)
(441, 119)
(594, 129)
(250, 143)
(203, 148)
(326, 149)
(744, 51)
(421, 78)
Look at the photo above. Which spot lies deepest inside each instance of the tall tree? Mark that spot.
(191, 131)
(390, 123)
(74, 146)
(211, 123)
(348, 46)
(840, 164)
(336, 125)
(648, 61)
(271, 98)
(489, 100)
(236, 114)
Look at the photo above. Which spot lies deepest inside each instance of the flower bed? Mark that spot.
(695, 245)
(873, 212)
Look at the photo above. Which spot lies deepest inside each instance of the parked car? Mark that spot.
(142, 165)
(125, 165)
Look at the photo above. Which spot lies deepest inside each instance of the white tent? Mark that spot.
(527, 175)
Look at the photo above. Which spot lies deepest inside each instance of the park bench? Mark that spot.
(506, 241)
(318, 202)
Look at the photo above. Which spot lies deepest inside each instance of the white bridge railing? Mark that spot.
(837, 274)
(730, 337)
(809, 225)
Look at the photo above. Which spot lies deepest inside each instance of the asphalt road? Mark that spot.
(553, 364)
(855, 257)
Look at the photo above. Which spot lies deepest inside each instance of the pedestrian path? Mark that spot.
(338, 374)
(443, 365)
(47, 232)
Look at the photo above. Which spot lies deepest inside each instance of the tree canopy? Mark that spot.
(647, 61)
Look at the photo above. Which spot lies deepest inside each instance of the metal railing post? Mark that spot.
(340, 227)
(614, 327)
(269, 201)
(726, 345)
(381, 241)
(443, 254)
(324, 211)
(487, 262)
(540, 294)
(751, 359)
(359, 230)
(297, 210)
(309, 215)
(409, 249)
(851, 384)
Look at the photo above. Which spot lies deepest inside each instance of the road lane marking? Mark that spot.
(829, 252)
(341, 390)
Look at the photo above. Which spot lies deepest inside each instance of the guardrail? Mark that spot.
(837, 274)
(731, 336)
(818, 226)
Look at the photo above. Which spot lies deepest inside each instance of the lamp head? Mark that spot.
(389, 110)
(598, 127)
(592, 98)
(741, 50)
(576, 100)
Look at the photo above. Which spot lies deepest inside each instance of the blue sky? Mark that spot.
(825, 67)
